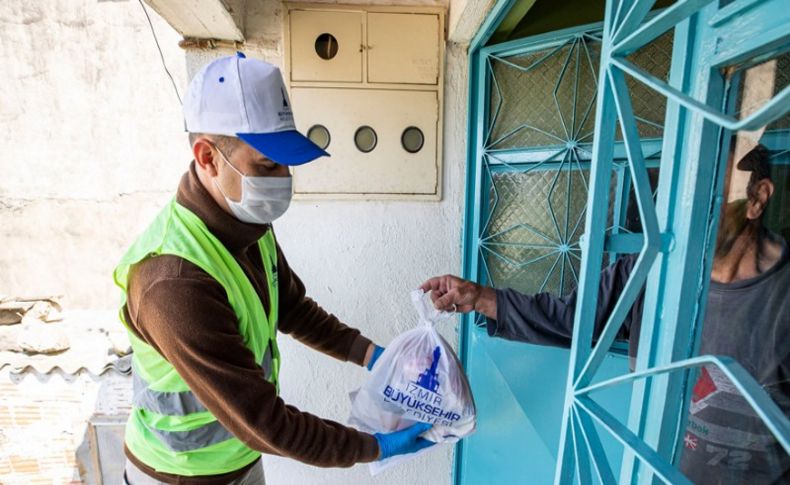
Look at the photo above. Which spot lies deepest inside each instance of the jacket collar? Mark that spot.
(232, 233)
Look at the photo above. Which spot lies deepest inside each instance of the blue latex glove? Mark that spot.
(377, 351)
(404, 441)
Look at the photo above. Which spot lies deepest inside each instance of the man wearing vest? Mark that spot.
(206, 288)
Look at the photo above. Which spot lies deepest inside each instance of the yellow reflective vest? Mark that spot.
(169, 429)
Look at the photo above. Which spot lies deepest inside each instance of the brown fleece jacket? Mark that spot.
(184, 313)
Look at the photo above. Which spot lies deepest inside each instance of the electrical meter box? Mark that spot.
(366, 84)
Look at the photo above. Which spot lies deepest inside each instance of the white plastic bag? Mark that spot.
(417, 378)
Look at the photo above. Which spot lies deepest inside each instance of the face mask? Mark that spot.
(263, 199)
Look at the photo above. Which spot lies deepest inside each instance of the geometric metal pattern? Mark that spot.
(712, 40)
(536, 158)
(541, 99)
(544, 98)
(542, 212)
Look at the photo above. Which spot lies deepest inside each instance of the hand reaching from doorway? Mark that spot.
(451, 293)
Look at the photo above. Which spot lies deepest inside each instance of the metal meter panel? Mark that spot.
(366, 130)
(377, 107)
(326, 45)
(403, 48)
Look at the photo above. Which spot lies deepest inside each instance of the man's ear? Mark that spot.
(756, 205)
(203, 151)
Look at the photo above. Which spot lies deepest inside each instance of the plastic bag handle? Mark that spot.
(429, 315)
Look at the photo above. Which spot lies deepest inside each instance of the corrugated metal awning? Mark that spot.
(82, 341)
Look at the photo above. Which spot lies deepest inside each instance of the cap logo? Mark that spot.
(285, 113)
(285, 98)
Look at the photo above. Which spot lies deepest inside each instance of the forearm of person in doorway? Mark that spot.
(189, 321)
(303, 319)
(540, 318)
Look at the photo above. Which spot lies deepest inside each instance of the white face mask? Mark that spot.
(263, 199)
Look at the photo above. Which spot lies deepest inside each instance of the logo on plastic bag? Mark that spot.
(430, 378)
(422, 399)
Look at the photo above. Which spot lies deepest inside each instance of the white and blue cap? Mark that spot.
(236, 96)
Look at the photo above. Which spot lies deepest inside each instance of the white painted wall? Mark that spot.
(94, 144)
(92, 141)
(360, 260)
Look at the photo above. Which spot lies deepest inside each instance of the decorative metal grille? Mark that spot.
(544, 98)
(543, 101)
(544, 211)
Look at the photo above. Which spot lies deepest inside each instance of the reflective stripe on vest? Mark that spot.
(161, 402)
(178, 403)
(181, 404)
(180, 441)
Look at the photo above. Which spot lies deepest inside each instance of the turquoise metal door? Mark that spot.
(528, 212)
(606, 424)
